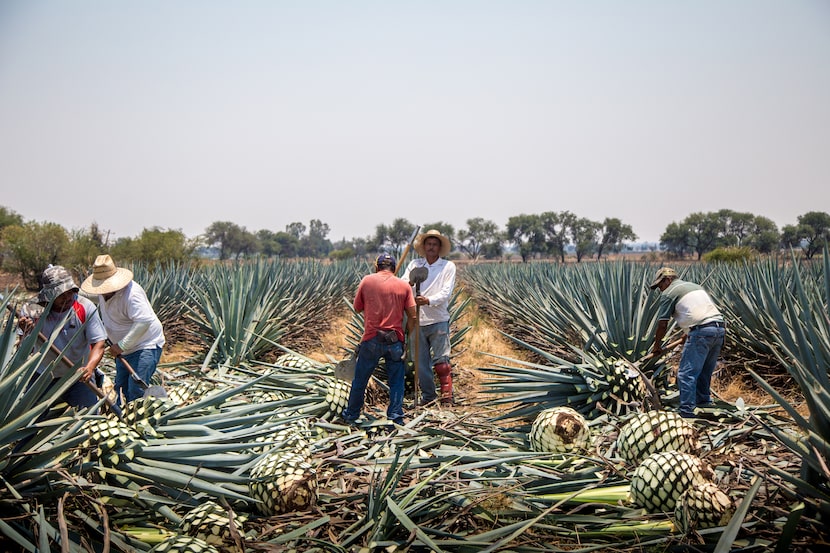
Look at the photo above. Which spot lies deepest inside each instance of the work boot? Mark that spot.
(444, 372)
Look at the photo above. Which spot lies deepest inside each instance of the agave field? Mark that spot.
(569, 445)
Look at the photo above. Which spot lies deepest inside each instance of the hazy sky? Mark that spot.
(180, 113)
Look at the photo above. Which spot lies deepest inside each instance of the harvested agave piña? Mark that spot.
(559, 430)
(625, 390)
(655, 432)
(661, 478)
(189, 391)
(145, 411)
(291, 435)
(337, 396)
(283, 482)
(703, 506)
(294, 361)
(210, 523)
(114, 441)
(183, 544)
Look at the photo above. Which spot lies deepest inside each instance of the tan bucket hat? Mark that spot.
(106, 277)
(446, 245)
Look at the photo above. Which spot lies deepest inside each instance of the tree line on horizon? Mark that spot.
(27, 247)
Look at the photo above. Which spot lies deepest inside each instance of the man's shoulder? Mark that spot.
(87, 304)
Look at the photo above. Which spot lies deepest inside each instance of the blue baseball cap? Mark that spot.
(385, 259)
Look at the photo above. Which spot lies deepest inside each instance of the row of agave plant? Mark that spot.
(586, 326)
(245, 454)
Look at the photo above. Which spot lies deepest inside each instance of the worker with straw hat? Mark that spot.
(132, 326)
(433, 305)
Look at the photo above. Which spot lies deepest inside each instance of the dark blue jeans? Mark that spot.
(371, 352)
(697, 363)
(143, 362)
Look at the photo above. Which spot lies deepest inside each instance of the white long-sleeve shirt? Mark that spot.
(127, 308)
(437, 288)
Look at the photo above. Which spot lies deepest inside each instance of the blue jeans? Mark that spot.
(143, 362)
(697, 363)
(433, 348)
(371, 351)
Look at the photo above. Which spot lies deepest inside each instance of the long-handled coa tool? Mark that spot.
(416, 277)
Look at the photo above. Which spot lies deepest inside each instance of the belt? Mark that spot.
(719, 324)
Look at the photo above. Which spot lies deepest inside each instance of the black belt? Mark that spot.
(718, 324)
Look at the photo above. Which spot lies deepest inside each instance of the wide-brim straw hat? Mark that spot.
(106, 277)
(446, 245)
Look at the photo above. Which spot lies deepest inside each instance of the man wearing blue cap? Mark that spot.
(383, 299)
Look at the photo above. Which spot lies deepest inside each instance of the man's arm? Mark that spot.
(659, 334)
(96, 353)
(446, 283)
(411, 314)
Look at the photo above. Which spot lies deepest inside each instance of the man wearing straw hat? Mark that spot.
(132, 326)
(433, 301)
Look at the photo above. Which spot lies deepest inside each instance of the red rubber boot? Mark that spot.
(444, 372)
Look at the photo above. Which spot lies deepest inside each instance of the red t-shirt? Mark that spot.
(383, 298)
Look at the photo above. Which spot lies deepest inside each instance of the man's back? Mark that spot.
(382, 297)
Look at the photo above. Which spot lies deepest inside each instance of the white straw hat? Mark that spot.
(106, 277)
(446, 245)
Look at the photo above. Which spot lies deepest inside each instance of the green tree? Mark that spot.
(393, 238)
(705, 230)
(526, 233)
(288, 244)
(84, 246)
(315, 244)
(677, 239)
(231, 239)
(612, 235)
(480, 236)
(218, 234)
(269, 246)
(583, 233)
(295, 229)
(790, 236)
(763, 237)
(556, 228)
(814, 231)
(9, 217)
(155, 246)
(32, 247)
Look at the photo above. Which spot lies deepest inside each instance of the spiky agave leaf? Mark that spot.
(703, 505)
(591, 387)
(559, 430)
(655, 432)
(661, 478)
